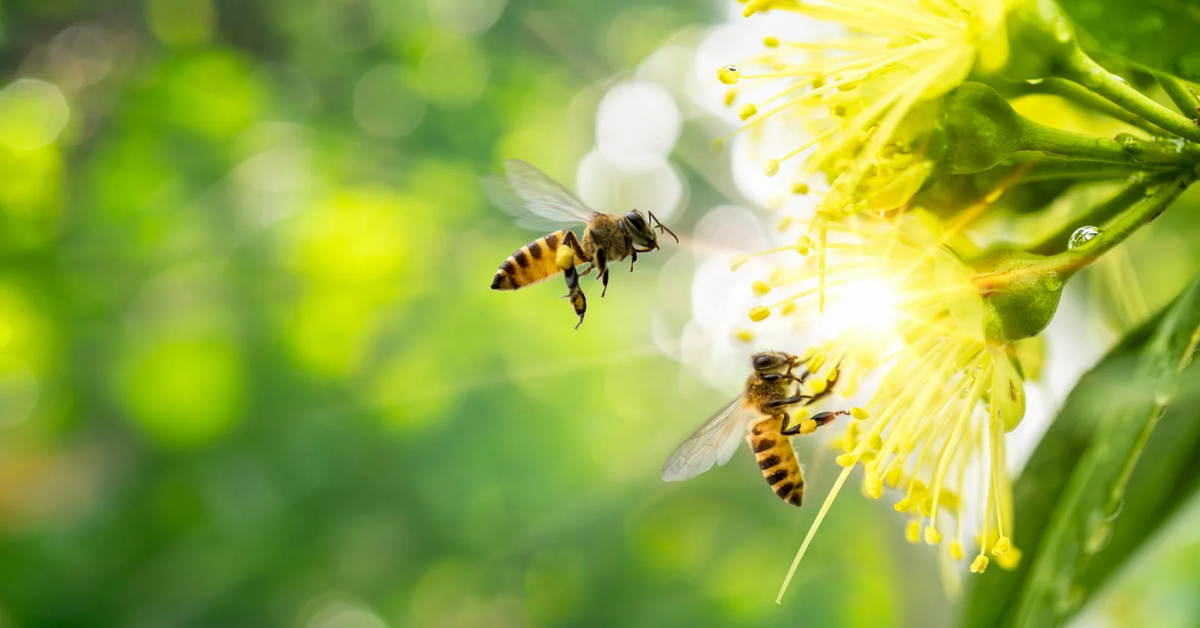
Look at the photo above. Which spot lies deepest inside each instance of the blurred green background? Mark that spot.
(251, 373)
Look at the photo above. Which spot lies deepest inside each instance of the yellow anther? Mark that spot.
(1002, 545)
(846, 460)
(832, 376)
(784, 223)
(718, 145)
(771, 42)
(730, 96)
(894, 477)
(979, 564)
(913, 532)
(816, 362)
(1010, 559)
(759, 312)
(565, 258)
(747, 111)
(803, 244)
(932, 536)
(955, 550)
(903, 505)
(808, 426)
(760, 288)
(872, 484)
(817, 385)
(926, 505)
(876, 442)
(771, 167)
(800, 188)
(861, 414)
(729, 74)
(745, 335)
(735, 262)
(787, 308)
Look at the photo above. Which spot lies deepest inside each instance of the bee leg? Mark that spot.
(601, 264)
(575, 294)
(823, 418)
(632, 259)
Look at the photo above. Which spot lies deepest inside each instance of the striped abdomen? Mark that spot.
(777, 459)
(536, 261)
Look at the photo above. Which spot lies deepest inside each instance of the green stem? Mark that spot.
(1125, 149)
(1180, 94)
(1082, 69)
(1133, 191)
(1114, 232)
(1118, 229)
(1078, 95)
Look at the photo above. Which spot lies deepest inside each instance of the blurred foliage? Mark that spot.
(251, 374)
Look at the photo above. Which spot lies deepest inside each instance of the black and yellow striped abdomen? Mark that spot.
(777, 459)
(536, 261)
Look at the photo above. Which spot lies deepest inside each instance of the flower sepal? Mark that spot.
(1020, 295)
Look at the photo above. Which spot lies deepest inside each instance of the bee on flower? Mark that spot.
(913, 320)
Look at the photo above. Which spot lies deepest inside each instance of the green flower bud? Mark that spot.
(982, 129)
(1021, 297)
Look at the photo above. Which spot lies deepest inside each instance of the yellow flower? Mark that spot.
(869, 98)
(934, 428)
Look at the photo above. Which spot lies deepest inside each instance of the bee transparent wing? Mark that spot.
(713, 443)
(536, 199)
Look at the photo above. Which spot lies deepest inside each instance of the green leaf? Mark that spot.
(1079, 478)
(1159, 34)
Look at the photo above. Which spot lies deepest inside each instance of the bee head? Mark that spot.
(640, 230)
(771, 362)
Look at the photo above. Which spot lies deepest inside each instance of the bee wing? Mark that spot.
(534, 197)
(713, 443)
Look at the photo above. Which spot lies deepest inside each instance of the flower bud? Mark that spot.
(982, 129)
(1021, 297)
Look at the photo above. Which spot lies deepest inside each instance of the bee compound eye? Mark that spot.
(763, 361)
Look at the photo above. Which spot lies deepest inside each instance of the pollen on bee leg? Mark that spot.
(759, 312)
(565, 258)
(808, 426)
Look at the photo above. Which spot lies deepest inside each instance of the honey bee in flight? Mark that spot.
(763, 408)
(607, 238)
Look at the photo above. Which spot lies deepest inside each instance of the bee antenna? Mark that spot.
(663, 228)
